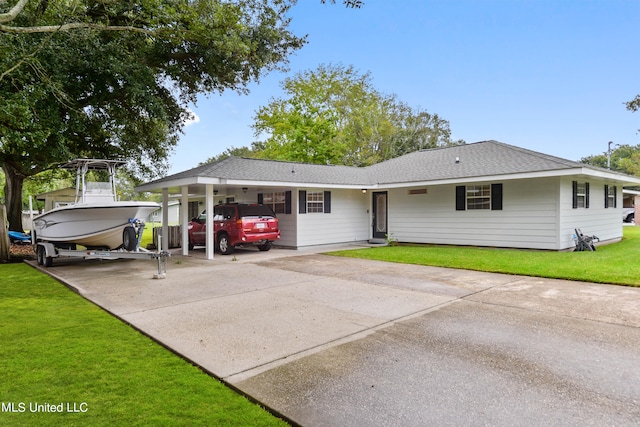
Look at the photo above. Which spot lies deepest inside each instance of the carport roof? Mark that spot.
(240, 168)
(462, 162)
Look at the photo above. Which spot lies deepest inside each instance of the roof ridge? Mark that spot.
(291, 162)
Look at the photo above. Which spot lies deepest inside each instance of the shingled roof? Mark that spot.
(476, 160)
(240, 168)
(467, 161)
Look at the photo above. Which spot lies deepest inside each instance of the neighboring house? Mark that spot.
(173, 214)
(481, 194)
(57, 198)
(50, 199)
(630, 204)
(26, 219)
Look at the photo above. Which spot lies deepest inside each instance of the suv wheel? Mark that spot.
(265, 247)
(224, 246)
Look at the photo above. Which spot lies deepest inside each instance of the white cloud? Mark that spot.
(193, 119)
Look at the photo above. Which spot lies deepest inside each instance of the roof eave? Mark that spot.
(157, 186)
(584, 171)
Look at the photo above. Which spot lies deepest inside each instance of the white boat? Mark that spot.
(96, 219)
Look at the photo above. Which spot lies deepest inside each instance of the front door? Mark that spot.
(380, 215)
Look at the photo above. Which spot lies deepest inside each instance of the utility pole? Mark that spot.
(609, 155)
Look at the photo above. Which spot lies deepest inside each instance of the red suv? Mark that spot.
(237, 224)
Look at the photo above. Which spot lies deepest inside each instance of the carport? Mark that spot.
(189, 188)
(248, 181)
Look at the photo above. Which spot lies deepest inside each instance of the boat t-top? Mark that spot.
(97, 219)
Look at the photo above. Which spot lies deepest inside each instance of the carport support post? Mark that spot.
(184, 219)
(165, 219)
(209, 220)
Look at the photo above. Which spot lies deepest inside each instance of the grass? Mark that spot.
(615, 263)
(59, 348)
(147, 235)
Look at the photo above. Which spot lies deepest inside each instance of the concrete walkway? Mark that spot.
(334, 341)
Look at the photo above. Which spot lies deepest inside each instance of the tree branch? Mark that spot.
(14, 12)
(19, 7)
(71, 26)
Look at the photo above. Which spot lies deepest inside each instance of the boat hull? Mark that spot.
(93, 225)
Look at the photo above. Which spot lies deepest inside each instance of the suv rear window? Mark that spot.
(223, 212)
(255, 210)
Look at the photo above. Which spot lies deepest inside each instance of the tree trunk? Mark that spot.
(13, 196)
(5, 245)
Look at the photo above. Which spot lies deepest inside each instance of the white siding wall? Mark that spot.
(528, 218)
(288, 231)
(536, 214)
(596, 220)
(174, 215)
(347, 222)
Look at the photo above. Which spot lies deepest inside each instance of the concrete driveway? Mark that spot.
(333, 341)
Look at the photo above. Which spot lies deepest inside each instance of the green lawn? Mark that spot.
(618, 263)
(58, 348)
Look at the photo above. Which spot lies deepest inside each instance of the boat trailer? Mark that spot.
(47, 251)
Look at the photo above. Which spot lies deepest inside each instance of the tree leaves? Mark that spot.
(334, 115)
(98, 92)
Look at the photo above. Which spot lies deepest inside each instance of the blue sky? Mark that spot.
(547, 75)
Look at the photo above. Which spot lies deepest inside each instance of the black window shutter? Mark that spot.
(615, 196)
(586, 190)
(575, 194)
(460, 197)
(287, 202)
(260, 198)
(496, 197)
(606, 196)
(327, 202)
(302, 202)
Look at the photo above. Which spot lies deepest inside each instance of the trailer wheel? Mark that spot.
(129, 239)
(43, 259)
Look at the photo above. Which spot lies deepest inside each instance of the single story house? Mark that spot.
(173, 215)
(56, 198)
(50, 200)
(482, 194)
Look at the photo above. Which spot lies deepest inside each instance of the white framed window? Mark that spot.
(276, 201)
(315, 201)
(478, 197)
(610, 196)
(581, 194)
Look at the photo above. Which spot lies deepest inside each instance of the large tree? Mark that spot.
(334, 115)
(634, 104)
(118, 85)
(77, 19)
(623, 158)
